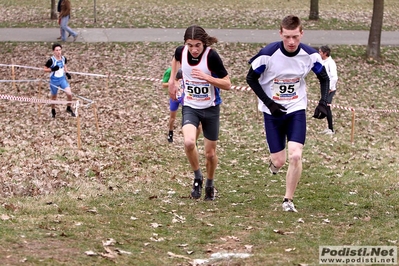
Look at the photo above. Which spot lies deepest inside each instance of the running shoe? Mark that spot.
(69, 110)
(209, 193)
(325, 131)
(288, 206)
(170, 137)
(197, 189)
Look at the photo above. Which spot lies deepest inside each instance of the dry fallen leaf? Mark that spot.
(9, 206)
(94, 210)
(156, 225)
(156, 239)
(171, 254)
(5, 217)
(367, 218)
(109, 242)
(110, 254)
(234, 238)
(120, 251)
(91, 253)
(281, 232)
(178, 219)
(248, 247)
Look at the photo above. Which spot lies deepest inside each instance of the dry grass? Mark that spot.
(59, 202)
(349, 15)
(127, 183)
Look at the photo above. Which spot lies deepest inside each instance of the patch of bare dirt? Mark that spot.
(29, 251)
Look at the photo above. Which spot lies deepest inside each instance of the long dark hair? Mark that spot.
(196, 32)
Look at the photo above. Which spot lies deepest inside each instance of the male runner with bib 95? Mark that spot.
(277, 76)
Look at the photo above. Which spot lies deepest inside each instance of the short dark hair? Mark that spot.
(291, 22)
(56, 45)
(325, 49)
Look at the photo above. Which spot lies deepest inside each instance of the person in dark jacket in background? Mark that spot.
(65, 14)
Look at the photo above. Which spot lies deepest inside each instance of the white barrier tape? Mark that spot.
(360, 109)
(335, 106)
(32, 100)
(37, 80)
(20, 80)
(83, 98)
(379, 110)
(240, 88)
(21, 66)
(38, 68)
(88, 74)
(77, 96)
(137, 78)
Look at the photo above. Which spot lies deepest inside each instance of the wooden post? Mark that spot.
(107, 83)
(13, 74)
(39, 107)
(353, 127)
(78, 124)
(96, 117)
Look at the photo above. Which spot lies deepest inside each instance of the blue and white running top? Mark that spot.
(282, 74)
(59, 74)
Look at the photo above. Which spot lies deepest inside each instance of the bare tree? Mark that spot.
(314, 10)
(53, 14)
(374, 44)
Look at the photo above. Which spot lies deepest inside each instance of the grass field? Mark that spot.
(123, 197)
(265, 14)
(128, 184)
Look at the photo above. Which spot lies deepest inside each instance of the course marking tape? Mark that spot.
(239, 88)
(32, 100)
(20, 80)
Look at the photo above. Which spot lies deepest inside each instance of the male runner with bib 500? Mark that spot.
(203, 76)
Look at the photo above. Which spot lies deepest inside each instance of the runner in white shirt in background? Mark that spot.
(331, 68)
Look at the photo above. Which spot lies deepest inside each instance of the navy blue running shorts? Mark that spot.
(289, 127)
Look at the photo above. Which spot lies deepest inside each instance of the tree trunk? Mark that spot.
(314, 10)
(373, 47)
(53, 14)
